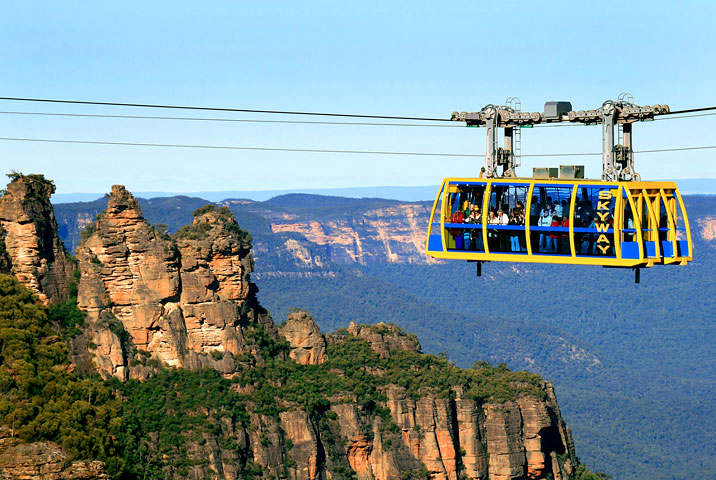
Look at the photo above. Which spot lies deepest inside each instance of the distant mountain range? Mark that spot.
(405, 194)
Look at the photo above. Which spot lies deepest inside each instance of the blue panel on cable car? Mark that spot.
(630, 250)
(435, 243)
(683, 248)
(667, 249)
(650, 249)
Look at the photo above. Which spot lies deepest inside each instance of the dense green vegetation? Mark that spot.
(40, 397)
(363, 374)
(167, 416)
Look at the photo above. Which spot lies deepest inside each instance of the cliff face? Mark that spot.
(394, 234)
(29, 245)
(25, 461)
(434, 436)
(425, 436)
(178, 299)
(306, 233)
(707, 227)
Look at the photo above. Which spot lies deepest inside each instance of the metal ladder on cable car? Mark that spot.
(624, 97)
(516, 104)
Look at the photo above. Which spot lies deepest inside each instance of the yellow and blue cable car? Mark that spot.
(578, 222)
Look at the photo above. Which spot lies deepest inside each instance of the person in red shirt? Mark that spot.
(554, 235)
(564, 238)
(457, 233)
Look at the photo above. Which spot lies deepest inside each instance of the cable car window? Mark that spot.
(628, 225)
(506, 215)
(464, 218)
(550, 232)
(649, 223)
(473, 235)
(663, 221)
(594, 221)
(436, 213)
(673, 203)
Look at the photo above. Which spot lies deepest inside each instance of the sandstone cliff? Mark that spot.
(308, 346)
(429, 433)
(384, 338)
(296, 233)
(30, 247)
(394, 234)
(45, 460)
(185, 301)
(707, 228)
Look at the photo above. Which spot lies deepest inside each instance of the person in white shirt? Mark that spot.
(491, 232)
(545, 220)
(558, 210)
(503, 219)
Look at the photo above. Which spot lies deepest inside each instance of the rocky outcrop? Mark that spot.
(430, 435)
(184, 301)
(46, 460)
(461, 438)
(373, 451)
(215, 264)
(30, 246)
(384, 337)
(5, 263)
(308, 346)
(707, 227)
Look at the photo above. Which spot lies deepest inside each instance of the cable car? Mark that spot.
(578, 222)
(618, 221)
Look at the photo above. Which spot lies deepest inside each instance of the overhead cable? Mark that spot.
(321, 150)
(296, 122)
(280, 112)
(234, 147)
(686, 116)
(220, 109)
(239, 120)
(689, 110)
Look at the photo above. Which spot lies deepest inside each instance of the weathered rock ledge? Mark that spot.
(30, 247)
(45, 460)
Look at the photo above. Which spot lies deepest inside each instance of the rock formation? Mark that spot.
(447, 438)
(707, 228)
(187, 301)
(26, 461)
(308, 346)
(5, 263)
(182, 300)
(384, 338)
(29, 244)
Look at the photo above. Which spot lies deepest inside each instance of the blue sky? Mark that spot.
(394, 58)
